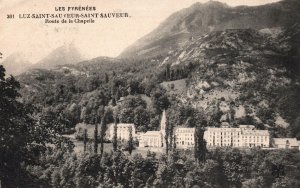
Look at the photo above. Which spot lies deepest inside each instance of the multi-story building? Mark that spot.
(184, 137)
(244, 136)
(251, 137)
(123, 131)
(151, 139)
(222, 137)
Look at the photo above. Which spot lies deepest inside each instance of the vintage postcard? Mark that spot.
(149, 93)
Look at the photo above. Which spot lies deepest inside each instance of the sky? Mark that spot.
(35, 39)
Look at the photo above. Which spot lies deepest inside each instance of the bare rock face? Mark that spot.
(187, 24)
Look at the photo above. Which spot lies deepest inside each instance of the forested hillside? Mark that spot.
(240, 76)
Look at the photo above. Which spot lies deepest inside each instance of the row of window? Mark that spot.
(238, 145)
(181, 135)
(185, 139)
(185, 131)
(243, 137)
(184, 143)
(224, 133)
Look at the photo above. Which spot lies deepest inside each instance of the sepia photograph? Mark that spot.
(149, 94)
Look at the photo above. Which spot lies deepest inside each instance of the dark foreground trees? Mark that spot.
(23, 134)
(224, 167)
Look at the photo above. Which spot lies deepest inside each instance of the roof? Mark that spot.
(284, 141)
(111, 125)
(256, 132)
(222, 129)
(125, 124)
(244, 129)
(247, 126)
(152, 133)
(190, 129)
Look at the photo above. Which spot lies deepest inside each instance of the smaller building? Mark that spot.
(285, 143)
(185, 137)
(151, 139)
(123, 131)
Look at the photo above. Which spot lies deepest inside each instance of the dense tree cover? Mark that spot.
(24, 134)
(223, 167)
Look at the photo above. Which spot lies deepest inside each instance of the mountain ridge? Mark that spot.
(65, 54)
(200, 19)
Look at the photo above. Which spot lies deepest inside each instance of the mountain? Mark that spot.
(199, 19)
(237, 75)
(66, 54)
(16, 64)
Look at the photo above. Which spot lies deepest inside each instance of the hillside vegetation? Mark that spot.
(237, 75)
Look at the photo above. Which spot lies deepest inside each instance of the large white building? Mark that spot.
(244, 136)
(184, 137)
(123, 131)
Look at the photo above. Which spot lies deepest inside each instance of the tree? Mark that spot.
(167, 138)
(115, 137)
(106, 78)
(170, 118)
(174, 143)
(294, 128)
(104, 119)
(83, 118)
(200, 144)
(130, 141)
(15, 130)
(85, 140)
(97, 117)
(127, 108)
(22, 138)
(143, 169)
(160, 99)
(168, 72)
(141, 119)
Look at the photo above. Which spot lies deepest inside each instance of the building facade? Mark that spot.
(244, 136)
(184, 137)
(151, 139)
(251, 137)
(123, 131)
(285, 143)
